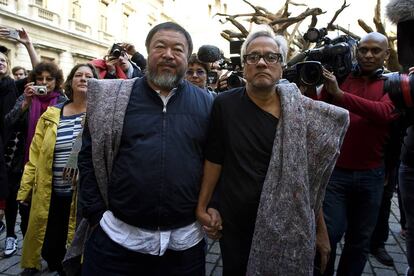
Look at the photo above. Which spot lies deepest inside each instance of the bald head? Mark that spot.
(377, 37)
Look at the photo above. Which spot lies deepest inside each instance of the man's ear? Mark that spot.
(387, 54)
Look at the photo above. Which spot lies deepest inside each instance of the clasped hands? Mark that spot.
(211, 222)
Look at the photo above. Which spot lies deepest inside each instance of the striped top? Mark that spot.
(67, 131)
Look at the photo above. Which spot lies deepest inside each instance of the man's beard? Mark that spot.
(165, 80)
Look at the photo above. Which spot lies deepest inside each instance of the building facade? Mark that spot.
(74, 31)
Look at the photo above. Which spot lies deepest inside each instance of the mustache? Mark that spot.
(166, 63)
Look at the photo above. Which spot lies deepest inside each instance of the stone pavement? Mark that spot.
(395, 246)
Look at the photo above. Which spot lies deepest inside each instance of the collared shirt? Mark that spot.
(147, 241)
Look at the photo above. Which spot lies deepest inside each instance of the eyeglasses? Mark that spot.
(48, 79)
(199, 73)
(269, 58)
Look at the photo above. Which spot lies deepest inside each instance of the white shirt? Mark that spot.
(147, 241)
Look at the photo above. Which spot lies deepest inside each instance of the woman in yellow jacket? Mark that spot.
(51, 221)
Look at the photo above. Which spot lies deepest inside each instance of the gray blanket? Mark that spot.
(306, 146)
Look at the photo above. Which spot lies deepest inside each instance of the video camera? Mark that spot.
(336, 55)
(211, 54)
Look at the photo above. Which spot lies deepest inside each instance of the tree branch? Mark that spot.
(330, 24)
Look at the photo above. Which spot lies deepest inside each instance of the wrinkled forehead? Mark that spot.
(262, 43)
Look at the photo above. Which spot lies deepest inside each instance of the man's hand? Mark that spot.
(331, 84)
(323, 246)
(211, 222)
(129, 48)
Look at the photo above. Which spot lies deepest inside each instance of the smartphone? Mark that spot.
(13, 33)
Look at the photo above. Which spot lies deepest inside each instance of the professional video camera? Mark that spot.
(336, 55)
(211, 54)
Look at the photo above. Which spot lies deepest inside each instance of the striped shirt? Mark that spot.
(67, 131)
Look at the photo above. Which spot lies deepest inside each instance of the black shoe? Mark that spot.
(29, 272)
(382, 256)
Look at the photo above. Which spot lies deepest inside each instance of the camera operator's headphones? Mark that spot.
(357, 72)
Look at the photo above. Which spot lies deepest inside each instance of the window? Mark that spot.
(103, 20)
(39, 3)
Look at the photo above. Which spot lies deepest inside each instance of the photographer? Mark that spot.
(117, 63)
(354, 192)
(43, 90)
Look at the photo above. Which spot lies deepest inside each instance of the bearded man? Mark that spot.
(141, 166)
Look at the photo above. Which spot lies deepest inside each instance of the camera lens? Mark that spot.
(116, 53)
(234, 81)
(310, 73)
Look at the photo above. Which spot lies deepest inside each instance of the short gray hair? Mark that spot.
(266, 31)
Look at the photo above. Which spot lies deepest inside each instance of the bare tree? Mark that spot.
(282, 20)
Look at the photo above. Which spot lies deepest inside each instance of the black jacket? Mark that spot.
(156, 175)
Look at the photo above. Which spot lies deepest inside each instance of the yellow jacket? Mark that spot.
(36, 184)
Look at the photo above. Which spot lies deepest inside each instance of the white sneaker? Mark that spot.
(11, 247)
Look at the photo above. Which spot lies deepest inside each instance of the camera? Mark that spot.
(40, 90)
(116, 51)
(336, 55)
(235, 79)
(233, 64)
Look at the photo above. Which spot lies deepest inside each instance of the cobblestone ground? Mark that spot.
(395, 246)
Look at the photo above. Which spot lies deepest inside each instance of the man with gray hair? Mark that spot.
(270, 151)
(141, 166)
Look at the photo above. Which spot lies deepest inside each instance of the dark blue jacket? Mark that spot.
(157, 172)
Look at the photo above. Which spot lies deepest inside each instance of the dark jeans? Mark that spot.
(381, 231)
(351, 206)
(407, 196)
(103, 256)
(54, 244)
(11, 203)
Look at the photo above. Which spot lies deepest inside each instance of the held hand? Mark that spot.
(323, 247)
(211, 222)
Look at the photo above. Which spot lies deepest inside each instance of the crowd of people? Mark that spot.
(127, 166)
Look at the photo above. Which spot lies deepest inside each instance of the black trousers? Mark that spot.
(54, 244)
(381, 231)
(235, 249)
(102, 256)
(12, 206)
